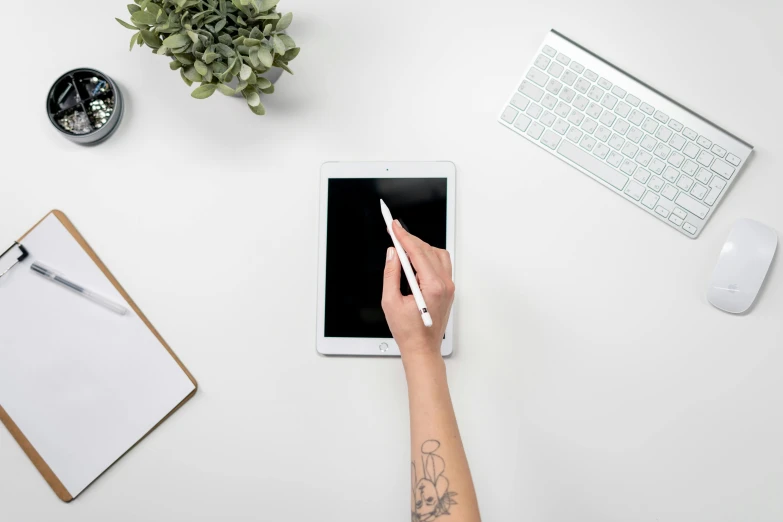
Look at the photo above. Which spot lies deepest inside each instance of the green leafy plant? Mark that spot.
(212, 42)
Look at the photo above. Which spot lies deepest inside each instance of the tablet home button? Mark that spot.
(383, 347)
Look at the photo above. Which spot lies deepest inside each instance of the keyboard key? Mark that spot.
(630, 150)
(619, 91)
(712, 197)
(535, 130)
(718, 150)
(609, 101)
(661, 211)
(560, 126)
(522, 122)
(685, 183)
(576, 117)
(580, 102)
(574, 134)
(704, 176)
(603, 133)
(719, 167)
(704, 142)
(594, 110)
(641, 176)
(531, 91)
(656, 165)
(589, 125)
(554, 86)
(634, 190)
(614, 159)
(595, 93)
(550, 139)
(662, 151)
(643, 158)
(578, 67)
(588, 143)
(601, 150)
(649, 143)
(705, 158)
(655, 183)
(636, 117)
(633, 100)
(509, 114)
(604, 83)
(676, 159)
(734, 160)
(650, 199)
(565, 60)
(690, 133)
(634, 134)
(549, 51)
(538, 77)
(562, 109)
(691, 150)
(689, 167)
(623, 109)
(542, 62)
(699, 191)
(582, 85)
(663, 134)
(590, 75)
(650, 125)
(669, 192)
(567, 94)
(692, 206)
(676, 220)
(547, 118)
(647, 108)
(670, 174)
(679, 213)
(717, 183)
(534, 110)
(555, 69)
(616, 141)
(661, 117)
(520, 102)
(607, 118)
(689, 228)
(549, 101)
(677, 142)
(628, 166)
(569, 77)
(676, 125)
(596, 167)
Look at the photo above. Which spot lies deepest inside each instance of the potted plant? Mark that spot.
(233, 46)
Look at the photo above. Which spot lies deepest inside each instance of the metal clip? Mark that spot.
(11, 257)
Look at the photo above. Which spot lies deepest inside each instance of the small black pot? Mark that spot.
(85, 106)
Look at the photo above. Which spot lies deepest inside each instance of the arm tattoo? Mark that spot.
(430, 496)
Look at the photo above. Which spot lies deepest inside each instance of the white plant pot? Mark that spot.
(272, 75)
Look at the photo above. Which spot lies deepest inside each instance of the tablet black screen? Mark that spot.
(357, 241)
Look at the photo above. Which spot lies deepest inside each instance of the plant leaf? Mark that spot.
(134, 39)
(185, 59)
(151, 39)
(174, 65)
(193, 36)
(201, 67)
(143, 18)
(278, 45)
(284, 22)
(251, 42)
(283, 66)
(176, 40)
(291, 54)
(191, 74)
(258, 109)
(253, 99)
(287, 40)
(132, 8)
(185, 78)
(268, 90)
(225, 89)
(263, 83)
(204, 91)
(210, 57)
(220, 25)
(265, 56)
(266, 5)
(127, 25)
(244, 72)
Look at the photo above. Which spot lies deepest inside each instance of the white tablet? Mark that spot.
(353, 243)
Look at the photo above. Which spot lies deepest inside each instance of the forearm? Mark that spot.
(441, 479)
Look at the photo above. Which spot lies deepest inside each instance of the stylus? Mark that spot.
(407, 268)
(53, 276)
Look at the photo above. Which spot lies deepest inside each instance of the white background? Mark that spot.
(592, 380)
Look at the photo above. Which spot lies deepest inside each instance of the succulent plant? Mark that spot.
(212, 42)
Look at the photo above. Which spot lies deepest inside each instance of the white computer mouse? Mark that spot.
(743, 264)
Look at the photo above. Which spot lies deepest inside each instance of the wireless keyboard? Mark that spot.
(641, 144)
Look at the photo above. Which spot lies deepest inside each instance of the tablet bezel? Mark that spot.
(367, 346)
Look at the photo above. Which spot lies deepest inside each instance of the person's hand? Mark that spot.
(433, 270)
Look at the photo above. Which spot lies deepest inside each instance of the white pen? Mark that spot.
(406, 267)
(50, 274)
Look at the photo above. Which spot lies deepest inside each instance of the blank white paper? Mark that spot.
(82, 383)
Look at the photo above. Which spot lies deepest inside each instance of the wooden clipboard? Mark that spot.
(47, 473)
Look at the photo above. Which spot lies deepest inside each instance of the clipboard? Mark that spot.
(9, 262)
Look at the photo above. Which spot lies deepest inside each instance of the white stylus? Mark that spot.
(406, 267)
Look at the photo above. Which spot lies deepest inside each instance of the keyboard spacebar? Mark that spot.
(593, 165)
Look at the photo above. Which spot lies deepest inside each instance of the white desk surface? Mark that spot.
(592, 380)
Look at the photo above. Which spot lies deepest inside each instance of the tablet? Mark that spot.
(353, 243)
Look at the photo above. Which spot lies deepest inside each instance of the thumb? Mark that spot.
(391, 277)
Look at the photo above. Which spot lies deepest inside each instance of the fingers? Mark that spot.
(445, 261)
(419, 252)
(391, 279)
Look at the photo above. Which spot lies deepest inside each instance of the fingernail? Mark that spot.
(390, 254)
